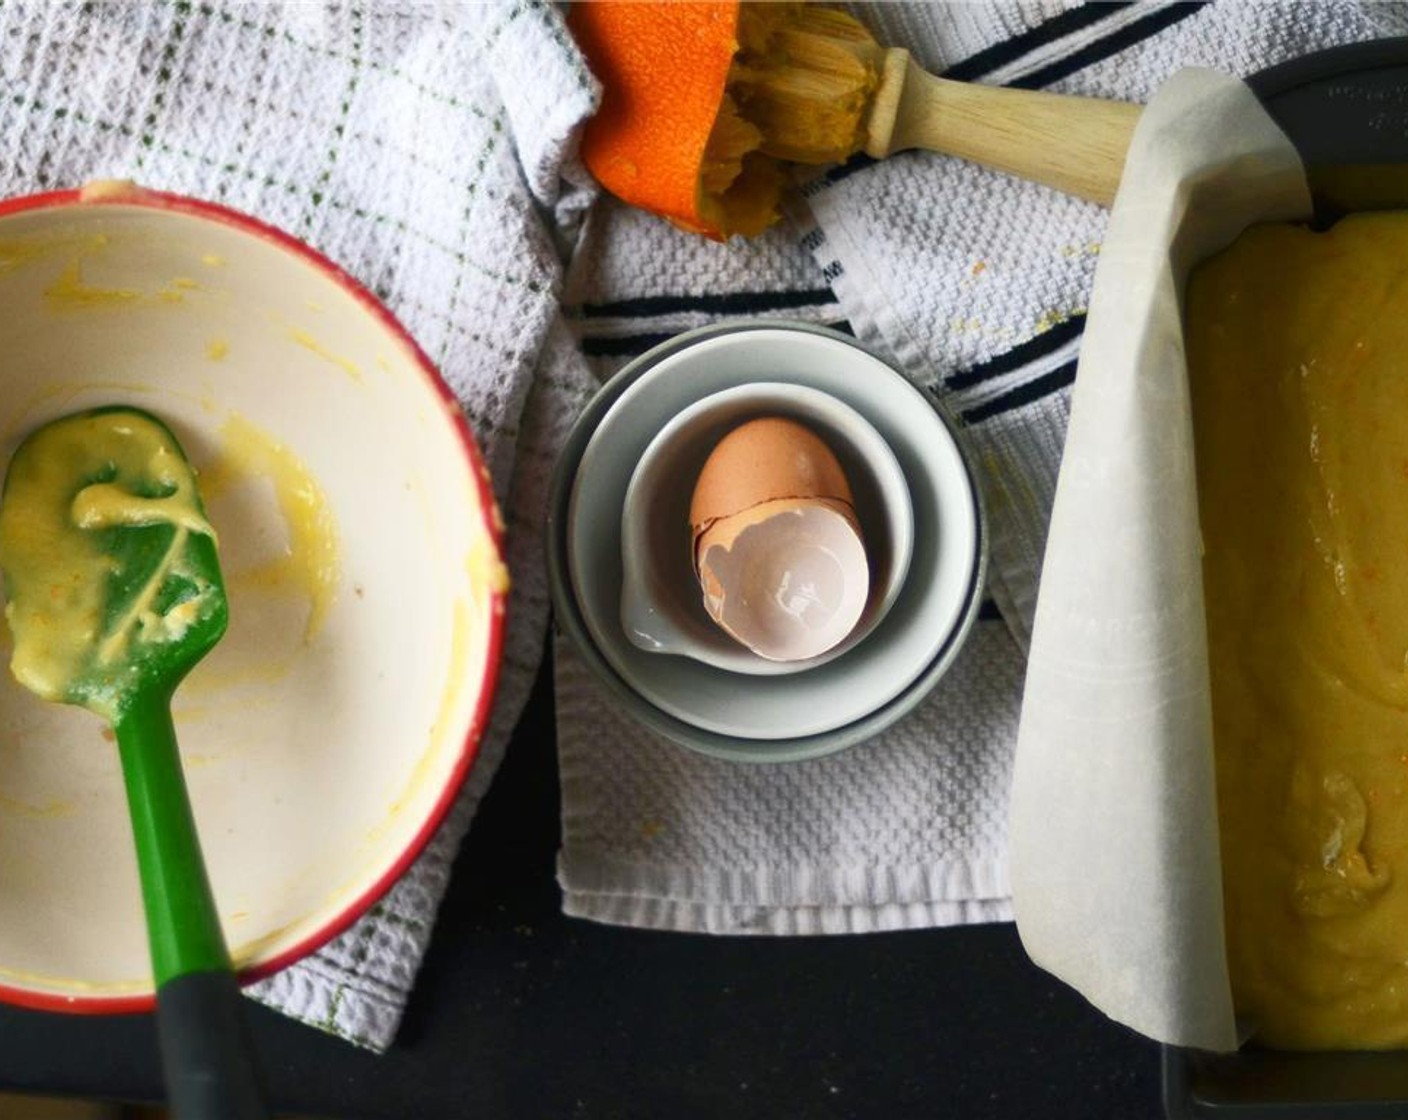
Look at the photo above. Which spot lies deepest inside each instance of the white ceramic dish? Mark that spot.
(933, 609)
(318, 763)
(661, 605)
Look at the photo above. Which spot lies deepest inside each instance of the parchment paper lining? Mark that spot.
(1115, 871)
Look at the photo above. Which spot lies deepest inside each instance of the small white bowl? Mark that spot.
(661, 606)
(742, 716)
(320, 765)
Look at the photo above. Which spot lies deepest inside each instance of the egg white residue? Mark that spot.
(791, 583)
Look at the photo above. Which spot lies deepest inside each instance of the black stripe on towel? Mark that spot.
(632, 345)
(1045, 343)
(624, 346)
(1024, 394)
(726, 303)
(858, 162)
(1127, 36)
(1010, 50)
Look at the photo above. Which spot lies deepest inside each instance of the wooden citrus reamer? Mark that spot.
(1075, 144)
(720, 84)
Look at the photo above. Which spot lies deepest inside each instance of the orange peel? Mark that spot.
(664, 69)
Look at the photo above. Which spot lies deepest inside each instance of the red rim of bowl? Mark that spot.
(128, 195)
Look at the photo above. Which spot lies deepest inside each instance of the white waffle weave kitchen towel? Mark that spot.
(976, 284)
(420, 147)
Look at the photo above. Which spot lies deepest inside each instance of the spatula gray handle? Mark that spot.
(206, 1055)
(206, 1050)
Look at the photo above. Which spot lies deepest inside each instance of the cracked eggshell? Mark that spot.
(776, 544)
(761, 461)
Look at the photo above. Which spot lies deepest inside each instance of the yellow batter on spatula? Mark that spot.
(1298, 357)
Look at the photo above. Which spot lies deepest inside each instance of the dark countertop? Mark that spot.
(521, 1012)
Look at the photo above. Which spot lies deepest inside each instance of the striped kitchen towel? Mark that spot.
(976, 285)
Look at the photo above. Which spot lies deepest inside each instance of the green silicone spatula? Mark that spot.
(114, 593)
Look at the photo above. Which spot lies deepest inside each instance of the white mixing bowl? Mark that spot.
(327, 735)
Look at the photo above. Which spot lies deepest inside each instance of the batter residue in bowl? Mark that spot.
(307, 564)
(1298, 355)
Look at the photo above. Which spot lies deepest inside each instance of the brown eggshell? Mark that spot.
(724, 531)
(746, 592)
(764, 460)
